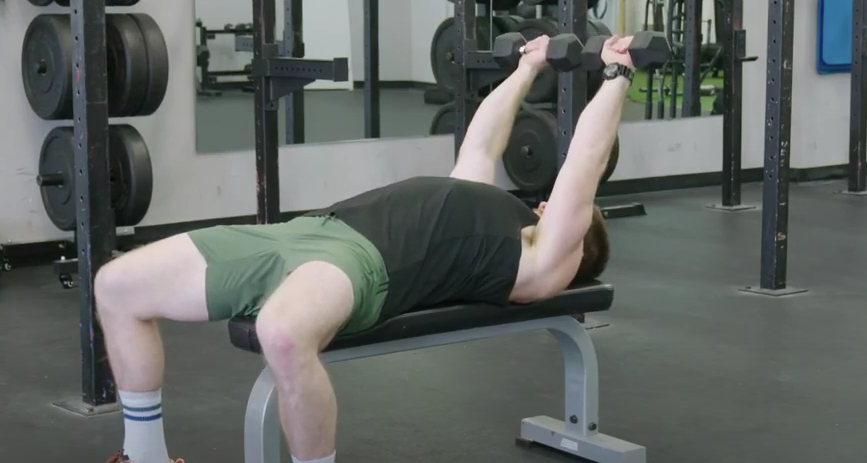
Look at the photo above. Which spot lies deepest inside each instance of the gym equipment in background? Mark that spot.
(137, 65)
(590, 3)
(530, 158)
(66, 2)
(130, 176)
(443, 122)
(212, 83)
(122, 154)
(497, 5)
(445, 42)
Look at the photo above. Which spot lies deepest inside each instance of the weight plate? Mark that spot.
(526, 11)
(443, 48)
(595, 27)
(443, 122)
(544, 88)
(506, 23)
(42, 2)
(613, 157)
(46, 66)
(530, 158)
(130, 174)
(126, 65)
(56, 177)
(158, 64)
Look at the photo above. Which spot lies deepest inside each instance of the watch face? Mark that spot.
(610, 71)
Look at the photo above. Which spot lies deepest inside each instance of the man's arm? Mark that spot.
(489, 131)
(569, 212)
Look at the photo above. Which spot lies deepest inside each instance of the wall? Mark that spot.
(820, 103)
(395, 39)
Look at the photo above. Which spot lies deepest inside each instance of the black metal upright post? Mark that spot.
(371, 69)
(293, 46)
(674, 35)
(465, 25)
(95, 228)
(267, 136)
(734, 46)
(858, 108)
(692, 59)
(778, 128)
(572, 86)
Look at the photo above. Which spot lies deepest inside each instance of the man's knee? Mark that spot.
(107, 284)
(285, 343)
(115, 289)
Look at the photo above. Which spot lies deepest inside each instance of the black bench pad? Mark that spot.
(584, 298)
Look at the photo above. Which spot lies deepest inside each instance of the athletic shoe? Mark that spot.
(118, 457)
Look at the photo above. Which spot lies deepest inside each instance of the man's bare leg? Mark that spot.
(296, 323)
(163, 280)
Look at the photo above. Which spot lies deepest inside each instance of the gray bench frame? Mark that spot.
(578, 435)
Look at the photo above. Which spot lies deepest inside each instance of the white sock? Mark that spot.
(144, 440)
(328, 459)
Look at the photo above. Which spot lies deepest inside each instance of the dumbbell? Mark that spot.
(648, 49)
(564, 51)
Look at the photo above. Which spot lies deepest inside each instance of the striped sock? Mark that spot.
(144, 440)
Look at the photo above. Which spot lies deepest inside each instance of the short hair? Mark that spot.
(597, 250)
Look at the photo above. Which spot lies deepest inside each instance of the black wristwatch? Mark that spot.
(615, 70)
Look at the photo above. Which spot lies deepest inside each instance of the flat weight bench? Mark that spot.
(578, 434)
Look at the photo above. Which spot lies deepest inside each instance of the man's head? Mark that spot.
(597, 249)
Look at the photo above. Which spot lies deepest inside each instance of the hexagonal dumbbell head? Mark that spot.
(591, 55)
(507, 49)
(649, 49)
(564, 52)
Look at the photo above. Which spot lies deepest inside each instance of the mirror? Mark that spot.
(334, 111)
(416, 43)
(652, 94)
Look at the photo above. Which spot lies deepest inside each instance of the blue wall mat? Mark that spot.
(835, 36)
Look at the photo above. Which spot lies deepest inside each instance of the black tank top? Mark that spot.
(442, 239)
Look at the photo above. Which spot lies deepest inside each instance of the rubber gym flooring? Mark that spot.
(690, 368)
(225, 123)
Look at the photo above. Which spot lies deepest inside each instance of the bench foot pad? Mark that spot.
(601, 448)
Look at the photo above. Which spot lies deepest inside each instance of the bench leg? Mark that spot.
(579, 433)
(262, 422)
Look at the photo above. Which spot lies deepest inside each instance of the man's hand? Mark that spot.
(536, 53)
(616, 50)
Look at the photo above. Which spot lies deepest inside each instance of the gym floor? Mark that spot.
(224, 123)
(690, 367)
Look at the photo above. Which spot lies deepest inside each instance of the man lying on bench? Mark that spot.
(420, 242)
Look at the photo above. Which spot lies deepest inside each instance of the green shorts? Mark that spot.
(246, 263)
